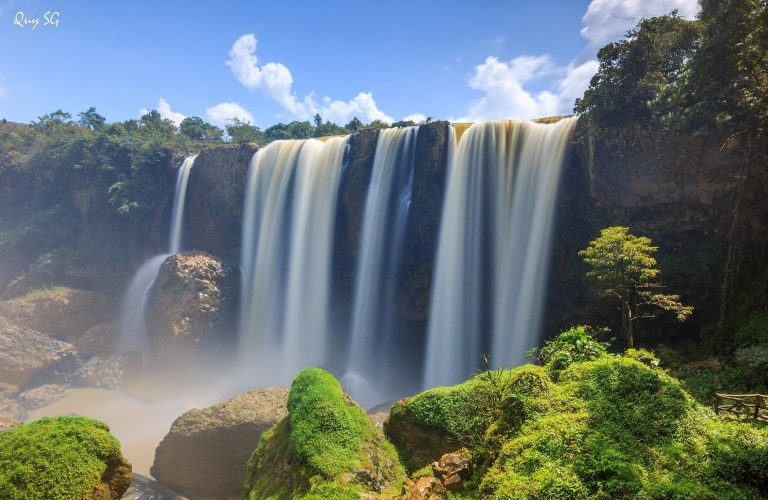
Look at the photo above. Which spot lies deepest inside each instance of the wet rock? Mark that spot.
(425, 488)
(11, 408)
(452, 469)
(422, 445)
(193, 302)
(61, 313)
(7, 423)
(43, 395)
(215, 199)
(206, 451)
(27, 357)
(115, 481)
(99, 340)
(111, 373)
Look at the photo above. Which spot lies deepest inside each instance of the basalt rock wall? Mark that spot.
(682, 191)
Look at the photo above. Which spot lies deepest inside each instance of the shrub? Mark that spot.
(573, 345)
(755, 331)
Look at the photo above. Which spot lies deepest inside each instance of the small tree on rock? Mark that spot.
(624, 263)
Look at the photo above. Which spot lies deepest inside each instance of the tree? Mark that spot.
(53, 120)
(725, 84)
(354, 125)
(91, 119)
(198, 130)
(624, 264)
(243, 132)
(633, 71)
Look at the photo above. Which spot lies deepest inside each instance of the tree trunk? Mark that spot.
(628, 324)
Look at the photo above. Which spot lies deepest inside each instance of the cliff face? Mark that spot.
(696, 197)
(681, 191)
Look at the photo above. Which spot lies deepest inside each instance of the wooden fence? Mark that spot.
(743, 406)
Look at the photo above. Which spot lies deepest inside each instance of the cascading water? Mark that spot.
(493, 247)
(132, 322)
(288, 225)
(386, 214)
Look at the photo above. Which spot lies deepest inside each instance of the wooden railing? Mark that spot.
(743, 406)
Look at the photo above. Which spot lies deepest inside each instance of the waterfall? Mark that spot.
(373, 353)
(132, 322)
(288, 225)
(179, 199)
(493, 248)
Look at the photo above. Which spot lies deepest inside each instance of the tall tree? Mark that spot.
(634, 70)
(197, 129)
(624, 264)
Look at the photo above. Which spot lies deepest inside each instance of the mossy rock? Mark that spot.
(611, 427)
(443, 419)
(326, 447)
(62, 458)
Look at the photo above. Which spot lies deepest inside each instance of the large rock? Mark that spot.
(205, 453)
(326, 444)
(215, 199)
(111, 372)
(27, 357)
(193, 302)
(99, 340)
(62, 313)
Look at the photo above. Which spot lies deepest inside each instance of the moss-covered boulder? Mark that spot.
(62, 458)
(326, 447)
(610, 427)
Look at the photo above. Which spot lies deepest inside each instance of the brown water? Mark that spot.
(139, 423)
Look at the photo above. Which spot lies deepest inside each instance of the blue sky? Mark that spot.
(278, 61)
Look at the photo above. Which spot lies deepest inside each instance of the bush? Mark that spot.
(645, 357)
(755, 331)
(573, 345)
(55, 458)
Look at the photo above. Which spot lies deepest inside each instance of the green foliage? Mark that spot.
(573, 345)
(198, 130)
(725, 84)
(644, 356)
(624, 264)
(633, 71)
(55, 458)
(327, 440)
(293, 130)
(243, 133)
(91, 119)
(610, 427)
(755, 331)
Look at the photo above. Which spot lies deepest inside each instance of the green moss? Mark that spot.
(326, 447)
(55, 458)
(611, 427)
(326, 430)
(55, 291)
(628, 397)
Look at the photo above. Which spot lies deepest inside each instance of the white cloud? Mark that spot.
(415, 118)
(362, 106)
(505, 94)
(165, 112)
(608, 20)
(221, 113)
(276, 82)
(506, 85)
